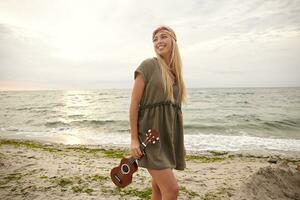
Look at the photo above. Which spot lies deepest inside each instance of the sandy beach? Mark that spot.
(40, 170)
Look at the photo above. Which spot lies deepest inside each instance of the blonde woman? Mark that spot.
(157, 95)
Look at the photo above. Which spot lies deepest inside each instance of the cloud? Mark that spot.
(96, 42)
(25, 57)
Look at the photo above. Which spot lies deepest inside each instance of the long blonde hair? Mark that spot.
(175, 63)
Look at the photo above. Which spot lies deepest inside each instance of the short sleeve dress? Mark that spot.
(155, 111)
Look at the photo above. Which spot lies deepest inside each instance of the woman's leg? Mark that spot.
(167, 183)
(156, 194)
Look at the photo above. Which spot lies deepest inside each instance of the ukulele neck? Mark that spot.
(143, 147)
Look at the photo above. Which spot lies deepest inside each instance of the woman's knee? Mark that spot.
(165, 181)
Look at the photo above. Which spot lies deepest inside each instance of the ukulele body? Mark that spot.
(122, 175)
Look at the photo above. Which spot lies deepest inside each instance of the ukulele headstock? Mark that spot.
(152, 136)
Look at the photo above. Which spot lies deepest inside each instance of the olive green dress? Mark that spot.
(155, 111)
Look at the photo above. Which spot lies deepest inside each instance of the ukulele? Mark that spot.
(121, 176)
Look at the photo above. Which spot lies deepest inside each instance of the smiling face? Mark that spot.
(162, 42)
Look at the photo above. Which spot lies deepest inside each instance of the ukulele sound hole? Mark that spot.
(125, 169)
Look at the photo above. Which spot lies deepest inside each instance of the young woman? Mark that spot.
(157, 95)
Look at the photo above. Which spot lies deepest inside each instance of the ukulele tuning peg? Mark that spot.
(146, 135)
(157, 138)
(149, 131)
(153, 142)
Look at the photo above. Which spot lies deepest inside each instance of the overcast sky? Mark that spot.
(60, 44)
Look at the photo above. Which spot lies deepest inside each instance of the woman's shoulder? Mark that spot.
(149, 61)
(147, 67)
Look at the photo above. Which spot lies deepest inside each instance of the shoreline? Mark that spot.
(285, 154)
(266, 153)
(42, 170)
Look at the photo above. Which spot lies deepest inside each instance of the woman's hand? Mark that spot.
(135, 149)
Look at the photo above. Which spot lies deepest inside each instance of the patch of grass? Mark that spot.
(204, 159)
(19, 143)
(76, 183)
(109, 153)
(218, 153)
(82, 189)
(191, 194)
(143, 194)
(28, 144)
(98, 178)
(63, 182)
(253, 156)
(78, 179)
(86, 150)
(50, 149)
(104, 190)
(211, 196)
(44, 177)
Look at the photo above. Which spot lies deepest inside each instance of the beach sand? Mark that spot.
(39, 170)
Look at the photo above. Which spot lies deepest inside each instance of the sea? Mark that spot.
(215, 119)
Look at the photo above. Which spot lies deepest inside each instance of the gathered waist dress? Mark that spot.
(156, 112)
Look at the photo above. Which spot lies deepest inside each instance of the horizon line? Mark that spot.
(79, 89)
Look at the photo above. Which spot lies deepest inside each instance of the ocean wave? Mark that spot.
(242, 93)
(242, 102)
(246, 123)
(56, 105)
(100, 122)
(87, 123)
(33, 108)
(283, 125)
(56, 124)
(11, 129)
(76, 116)
(40, 109)
(243, 117)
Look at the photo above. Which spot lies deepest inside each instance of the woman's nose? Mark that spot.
(159, 41)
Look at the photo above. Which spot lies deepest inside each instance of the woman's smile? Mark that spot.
(161, 47)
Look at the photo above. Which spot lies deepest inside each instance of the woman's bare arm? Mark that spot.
(137, 92)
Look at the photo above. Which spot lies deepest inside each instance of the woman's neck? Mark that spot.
(167, 59)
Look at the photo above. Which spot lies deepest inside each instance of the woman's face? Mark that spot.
(162, 42)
